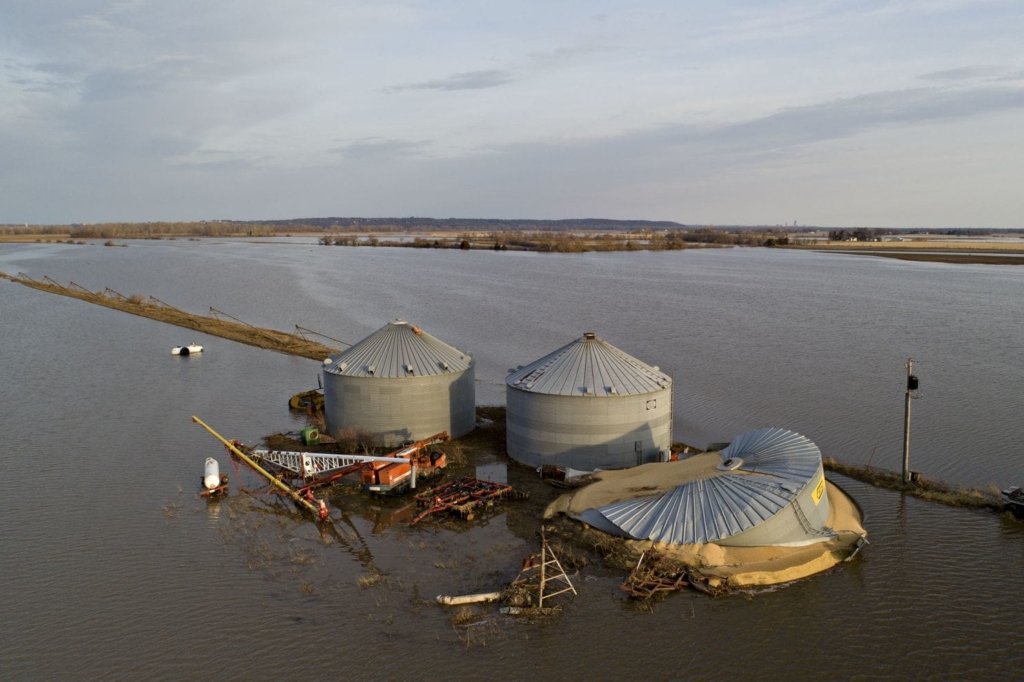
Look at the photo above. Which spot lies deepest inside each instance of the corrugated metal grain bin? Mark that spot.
(783, 455)
(768, 489)
(588, 405)
(400, 384)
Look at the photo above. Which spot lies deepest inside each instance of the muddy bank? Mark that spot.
(154, 309)
(922, 488)
(938, 257)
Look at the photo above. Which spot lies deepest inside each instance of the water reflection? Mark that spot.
(213, 507)
(496, 472)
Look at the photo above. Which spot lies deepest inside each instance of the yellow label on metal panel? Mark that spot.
(818, 491)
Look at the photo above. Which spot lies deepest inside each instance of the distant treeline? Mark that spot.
(414, 224)
(143, 230)
(478, 227)
(224, 228)
(572, 242)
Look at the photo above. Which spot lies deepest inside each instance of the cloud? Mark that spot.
(47, 78)
(563, 54)
(468, 80)
(159, 75)
(688, 153)
(491, 78)
(963, 73)
(1012, 76)
(835, 119)
(377, 148)
(218, 160)
(156, 110)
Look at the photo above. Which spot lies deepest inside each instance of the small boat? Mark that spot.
(1015, 499)
(190, 349)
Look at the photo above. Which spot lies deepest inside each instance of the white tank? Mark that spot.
(211, 479)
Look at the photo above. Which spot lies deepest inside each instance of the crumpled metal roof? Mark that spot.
(724, 503)
(589, 366)
(399, 350)
(777, 452)
(699, 511)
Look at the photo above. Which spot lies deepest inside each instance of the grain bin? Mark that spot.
(400, 384)
(588, 405)
(766, 489)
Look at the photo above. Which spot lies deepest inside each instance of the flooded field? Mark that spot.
(116, 569)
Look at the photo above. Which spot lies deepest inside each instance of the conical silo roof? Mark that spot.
(589, 366)
(399, 350)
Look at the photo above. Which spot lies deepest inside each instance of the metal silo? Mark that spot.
(786, 456)
(588, 405)
(400, 384)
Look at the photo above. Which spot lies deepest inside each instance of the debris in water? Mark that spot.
(528, 592)
(464, 496)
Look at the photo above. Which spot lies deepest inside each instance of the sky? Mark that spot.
(905, 113)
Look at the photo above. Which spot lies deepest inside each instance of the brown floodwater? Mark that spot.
(113, 567)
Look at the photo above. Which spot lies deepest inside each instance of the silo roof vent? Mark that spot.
(730, 464)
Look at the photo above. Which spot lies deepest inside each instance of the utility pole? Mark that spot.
(912, 385)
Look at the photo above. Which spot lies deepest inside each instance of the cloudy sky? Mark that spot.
(839, 113)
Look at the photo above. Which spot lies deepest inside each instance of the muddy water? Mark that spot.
(112, 568)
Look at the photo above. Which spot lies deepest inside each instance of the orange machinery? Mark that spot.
(382, 477)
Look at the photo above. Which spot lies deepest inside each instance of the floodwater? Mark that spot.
(113, 568)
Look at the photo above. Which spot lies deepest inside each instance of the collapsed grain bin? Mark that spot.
(400, 384)
(767, 488)
(588, 405)
(759, 512)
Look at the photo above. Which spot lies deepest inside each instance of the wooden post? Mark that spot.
(543, 566)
